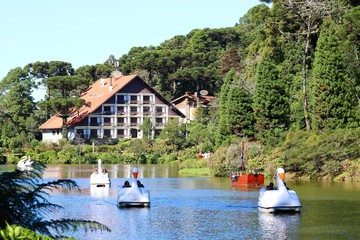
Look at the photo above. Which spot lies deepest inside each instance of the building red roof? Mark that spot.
(96, 95)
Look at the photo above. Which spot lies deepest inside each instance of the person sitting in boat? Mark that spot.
(233, 176)
(139, 184)
(126, 184)
(270, 186)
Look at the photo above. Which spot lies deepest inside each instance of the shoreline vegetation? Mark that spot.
(313, 156)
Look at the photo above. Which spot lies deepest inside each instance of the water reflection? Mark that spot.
(279, 226)
(114, 171)
(203, 208)
(100, 191)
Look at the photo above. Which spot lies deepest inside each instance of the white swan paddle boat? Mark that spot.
(100, 177)
(133, 193)
(280, 199)
(25, 163)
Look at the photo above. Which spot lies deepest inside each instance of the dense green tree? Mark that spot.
(65, 97)
(352, 49)
(241, 118)
(17, 109)
(252, 30)
(223, 130)
(94, 72)
(177, 42)
(196, 79)
(200, 135)
(334, 103)
(271, 101)
(174, 133)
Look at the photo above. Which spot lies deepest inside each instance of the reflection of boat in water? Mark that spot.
(25, 163)
(100, 177)
(280, 199)
(246, 188)
(96, 191)
(238, 180)
(134, 194)
(279, 226)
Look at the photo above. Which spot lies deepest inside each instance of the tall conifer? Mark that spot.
(240, 117)
(334, 102)
(223, 129)
(271, 101)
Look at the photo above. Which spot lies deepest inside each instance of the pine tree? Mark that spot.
(334, 104)
(240, 113)
(223, 129)
(271, 101)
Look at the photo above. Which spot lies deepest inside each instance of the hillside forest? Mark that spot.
(286, 81)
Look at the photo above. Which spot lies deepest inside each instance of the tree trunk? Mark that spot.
(304, 79)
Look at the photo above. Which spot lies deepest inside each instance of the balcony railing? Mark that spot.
(147, 113)
(93, 124)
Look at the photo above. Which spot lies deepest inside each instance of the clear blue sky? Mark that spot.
(87, 32)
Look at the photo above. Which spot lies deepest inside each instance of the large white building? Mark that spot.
(117, 109)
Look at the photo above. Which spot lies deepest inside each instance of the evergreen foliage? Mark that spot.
(271, 101)
(334, 103)
(223, 126)
(24, 202)
(267, 59)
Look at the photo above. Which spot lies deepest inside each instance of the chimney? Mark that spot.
(110, 85)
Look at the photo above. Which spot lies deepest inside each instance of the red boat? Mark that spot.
(243, 179)
(247, 179)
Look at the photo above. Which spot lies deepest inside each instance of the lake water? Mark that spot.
(204, 208)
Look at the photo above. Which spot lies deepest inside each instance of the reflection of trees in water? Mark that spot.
(115, 170)
(279, 226)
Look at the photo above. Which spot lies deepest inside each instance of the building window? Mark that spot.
(133, 100)
(146, 99)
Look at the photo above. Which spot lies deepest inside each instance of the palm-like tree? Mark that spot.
(24, 202)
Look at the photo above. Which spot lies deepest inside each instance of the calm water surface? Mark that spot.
(205, 208)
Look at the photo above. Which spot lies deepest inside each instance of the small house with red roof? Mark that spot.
(189, 102)
(117, 108)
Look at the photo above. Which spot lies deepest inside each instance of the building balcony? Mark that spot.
(134, 113)
(95, 124)
(147, 113)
